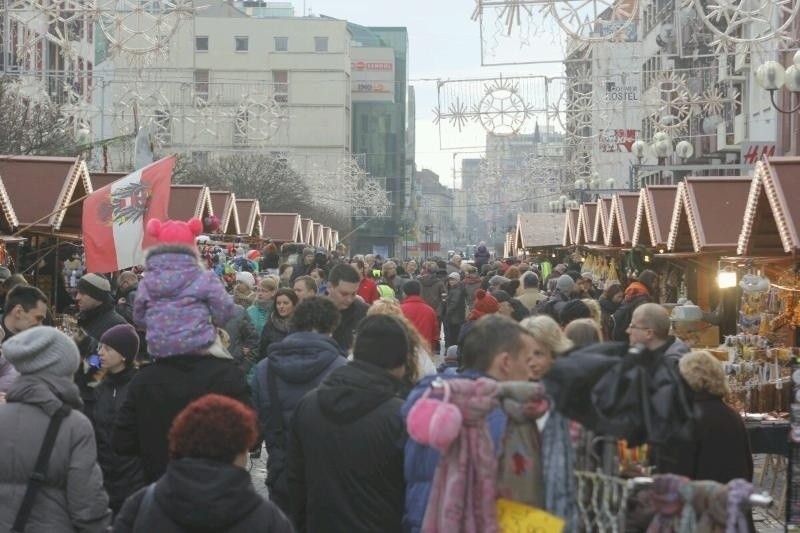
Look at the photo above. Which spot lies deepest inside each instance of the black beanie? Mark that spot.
(383, 341)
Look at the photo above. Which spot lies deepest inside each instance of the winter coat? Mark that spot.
(452, 267)
(471, 284)
(433, 291)
(481, 256)
(530, 298)
(553, 305)
(158, 392)
(423, 317)
(719, 449)
(607, 308)
(275, 330)
(635, 295)
(72, 496)
(8, 374)
(258, 316)
(97, 321)
(346, 453)
(300, 362)
(202, 496)
(673, 347)
(420, 461)
(180, 302)
(456, 305)
(350, 319)
(242, 335)
(122, 475)
(125, 309)
(368, 290)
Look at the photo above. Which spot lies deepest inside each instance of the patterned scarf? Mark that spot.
(558, 458)
(464, 491)
(739, 492)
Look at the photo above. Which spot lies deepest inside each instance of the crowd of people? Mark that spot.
(368, 383)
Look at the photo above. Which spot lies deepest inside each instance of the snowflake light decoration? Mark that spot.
(258, 117)
(729, 21)
(713, 101)
(206, 119)
(57, 22)
(670, 104)
(502, 111)
(457, 115)
(346, 187)
(581, 19)
(78, 109)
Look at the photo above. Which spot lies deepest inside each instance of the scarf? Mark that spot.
(520, 475)
(705, 508)
(278, 322)
(463, 491)
(635, 290)
(558, 458)
(739, 492)
(667, 503)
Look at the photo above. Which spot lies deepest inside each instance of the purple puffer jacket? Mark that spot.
(179, 302)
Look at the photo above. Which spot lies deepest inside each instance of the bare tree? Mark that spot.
(32, 126)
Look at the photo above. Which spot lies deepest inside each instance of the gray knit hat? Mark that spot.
(42, 349)
(96, 286)
(565, 283)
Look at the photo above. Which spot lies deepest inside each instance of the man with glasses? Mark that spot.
(650, 327)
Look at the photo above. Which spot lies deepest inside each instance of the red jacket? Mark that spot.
(423, 317)
(368, 290)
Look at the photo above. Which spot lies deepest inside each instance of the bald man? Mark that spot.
(650, 327)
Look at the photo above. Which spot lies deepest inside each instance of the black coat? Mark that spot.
(719, 449)
(273, 331)
(351, 318)
(622, 317)
(122, 475)
(158, 392)
(300, 362)
(97, 321)
(202, 496)
(346, 454)
(456, 305)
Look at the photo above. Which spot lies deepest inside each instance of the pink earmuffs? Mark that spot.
(434, 422)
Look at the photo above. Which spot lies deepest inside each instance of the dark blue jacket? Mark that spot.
(300, 362)
(420, 461)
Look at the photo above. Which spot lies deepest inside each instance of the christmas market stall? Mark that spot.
(307, 227)
(601, 220)
(570, 227)
(319, 235)
(249, 218)
(223, 205)
(587, 213)
(537, 239)
(43, 202)
(192, 201)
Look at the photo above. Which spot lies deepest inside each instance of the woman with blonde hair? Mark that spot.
(583, 332)
(558, 454)
(416, 367)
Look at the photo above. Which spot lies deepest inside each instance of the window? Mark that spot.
(201, 44)
(281, 44)
(201, 79)
(241, 44)
(320, 44)
(280, 85)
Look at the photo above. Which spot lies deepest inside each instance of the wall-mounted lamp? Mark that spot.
(726, 278)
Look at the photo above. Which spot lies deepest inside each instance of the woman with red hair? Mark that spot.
(206, 486)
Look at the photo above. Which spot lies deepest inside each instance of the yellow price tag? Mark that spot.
(515, 517)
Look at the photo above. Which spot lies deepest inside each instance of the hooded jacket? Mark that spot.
(122, 475)
(346, 453)
(300, 362)
(179, 302)
(8, 374)
(202, 496)
(72, 496)
(471, 283)
(158, 392)
(433, 291)
(481, 256)
(423, 317)
(242, 335)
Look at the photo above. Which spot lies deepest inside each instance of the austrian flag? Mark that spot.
(115, 217)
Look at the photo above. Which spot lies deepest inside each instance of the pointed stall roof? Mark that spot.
(622, 218)
(538, 230)
(307, 227)
(281, 227)
(570, 226)
(586, 215)
(334, 238)
(35, 187)
(223, 204)
(772, 216)
(601, 220)
(249, 215)
(188, 201)
(326, 239)
(708, 213)
(653, 215)
(318, 235)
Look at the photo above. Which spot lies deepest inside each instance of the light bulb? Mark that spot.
(793, 78)
(684, 149)
(770, 75)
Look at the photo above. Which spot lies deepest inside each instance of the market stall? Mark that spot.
(587, 213)
(190, 201)
(570, 227)
(249, 218)
(538, 235)
(223, 205)
(281, 227)
(601, 220)
(621, 220)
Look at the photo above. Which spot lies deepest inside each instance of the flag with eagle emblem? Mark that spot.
(115, 217)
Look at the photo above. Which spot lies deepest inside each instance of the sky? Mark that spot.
(444, 43)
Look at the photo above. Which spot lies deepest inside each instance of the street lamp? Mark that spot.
(684, 149)
(771, 76)
(662, 145)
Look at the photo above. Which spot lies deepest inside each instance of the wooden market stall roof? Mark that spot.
(601, 220)
(223, 203)
(334, 238)
(187, 201)
(318, 235)
(326, 238)
(708, 213)
(33, 187)
(536, 230)
(653, 216)
(101, 179)
(307, 228)
(622, 218)
(570, 226)
(586, 215)
(249, 217)
(771, 223)
(281, 227)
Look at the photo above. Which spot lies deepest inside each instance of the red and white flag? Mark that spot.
(115, 217)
